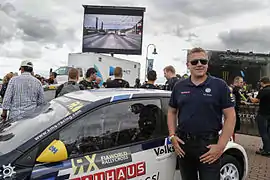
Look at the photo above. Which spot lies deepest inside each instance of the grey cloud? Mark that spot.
(256, 39)
(37, 29)
(210, 8)
(170, 15)
(30, 50)
(7, 27)
(8, 8)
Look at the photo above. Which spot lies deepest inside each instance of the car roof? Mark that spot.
(103, 93)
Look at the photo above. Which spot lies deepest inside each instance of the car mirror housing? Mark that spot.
(55, 152)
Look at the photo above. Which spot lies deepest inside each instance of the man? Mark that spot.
(152, 77)
(71, 85)
(90, 77)
(52, 79)
(97, 82)
(118, 81)
(172, 79)
(24, 93)
(263, 117)
(200, 101)
(238, 83)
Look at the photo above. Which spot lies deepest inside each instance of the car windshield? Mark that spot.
(14, 133)
(62, 71)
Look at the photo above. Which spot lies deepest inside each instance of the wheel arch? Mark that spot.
(239, 156)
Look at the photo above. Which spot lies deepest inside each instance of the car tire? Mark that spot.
(230, 168)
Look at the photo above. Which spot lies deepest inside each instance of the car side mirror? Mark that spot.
(55, 152)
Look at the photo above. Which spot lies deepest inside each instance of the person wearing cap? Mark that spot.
(90, 77)
(24, 93)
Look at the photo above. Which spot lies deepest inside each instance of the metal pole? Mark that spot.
(146, 60)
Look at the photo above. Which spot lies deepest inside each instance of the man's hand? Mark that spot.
(175, 142)
(213, 154)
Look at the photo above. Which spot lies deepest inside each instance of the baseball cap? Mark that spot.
(26, 63)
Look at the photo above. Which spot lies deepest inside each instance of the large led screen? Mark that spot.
(117, 30)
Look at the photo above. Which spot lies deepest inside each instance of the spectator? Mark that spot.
(178, 76)
(90, 77)
(263, 116)
(24, 93)
(71, 85)
(97, 82)
(137, 83)
(169, 74)
(5, 84)
(118, 81)
(237, 86)
(52, 79)
(152, 77)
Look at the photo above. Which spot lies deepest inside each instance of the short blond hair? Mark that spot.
(196, 50)
(73, 73)
(169, 68)
(118, 72)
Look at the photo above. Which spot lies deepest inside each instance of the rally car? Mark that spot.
(102, 134)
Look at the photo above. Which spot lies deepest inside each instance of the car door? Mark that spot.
(123, 140)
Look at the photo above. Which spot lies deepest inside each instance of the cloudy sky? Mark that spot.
(46, 31)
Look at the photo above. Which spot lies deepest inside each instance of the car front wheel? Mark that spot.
(230, 168)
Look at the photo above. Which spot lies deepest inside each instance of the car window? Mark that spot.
(114, 125)
(14, 133)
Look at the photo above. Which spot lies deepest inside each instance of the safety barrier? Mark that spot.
(248, 115)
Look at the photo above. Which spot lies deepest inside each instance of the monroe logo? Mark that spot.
(164, 150)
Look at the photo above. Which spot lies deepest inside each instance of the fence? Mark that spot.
(247, 117)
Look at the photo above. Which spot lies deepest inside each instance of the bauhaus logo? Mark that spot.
(164, 150)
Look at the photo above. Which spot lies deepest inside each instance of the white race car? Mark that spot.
(102, 134)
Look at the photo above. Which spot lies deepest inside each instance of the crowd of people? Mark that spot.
(198, 103)
(21, 93)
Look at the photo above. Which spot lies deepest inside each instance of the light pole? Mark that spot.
(146, 63)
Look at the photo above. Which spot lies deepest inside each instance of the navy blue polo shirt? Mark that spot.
(200, 107)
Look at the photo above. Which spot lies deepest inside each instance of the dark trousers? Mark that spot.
(190, 165)
(238, 121)
(264, 130)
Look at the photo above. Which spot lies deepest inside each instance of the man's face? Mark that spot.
(98, 80)
(166, 74)
(51, 76)
(198, 64)
(240, 83)
(93, 76)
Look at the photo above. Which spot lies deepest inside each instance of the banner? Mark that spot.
(150, 64)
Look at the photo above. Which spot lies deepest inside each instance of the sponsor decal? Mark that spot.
(94, 162)
(53, 149)
(164, 150)
(185, 92)
(114, 158)
(122, 173)
(152, 177)
(75, 106)
(84, 164)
